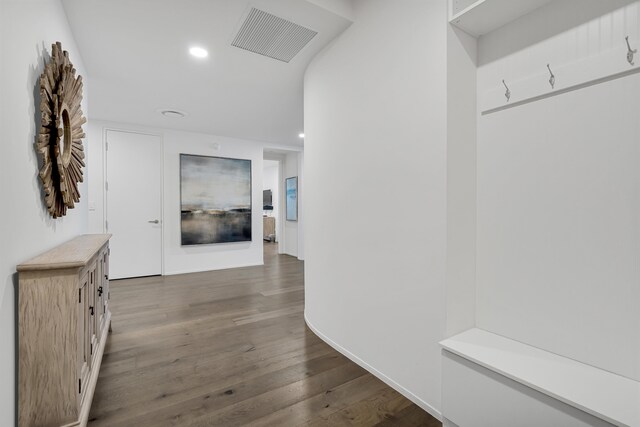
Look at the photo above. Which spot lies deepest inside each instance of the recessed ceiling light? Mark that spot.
(174, 114)
(301, 135)
(198, 52)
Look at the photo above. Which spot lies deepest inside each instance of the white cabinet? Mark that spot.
(492, 381)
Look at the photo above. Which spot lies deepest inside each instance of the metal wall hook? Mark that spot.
(507, 94)
(552, 79)
(631, 52)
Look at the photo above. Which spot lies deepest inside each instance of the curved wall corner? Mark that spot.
(375, 194)
(381, 376)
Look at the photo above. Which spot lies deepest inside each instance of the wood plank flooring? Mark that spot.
(231, 348)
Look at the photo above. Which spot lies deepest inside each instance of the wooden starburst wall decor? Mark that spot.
(60, 138)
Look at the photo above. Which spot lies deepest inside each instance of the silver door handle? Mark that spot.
(155, 221)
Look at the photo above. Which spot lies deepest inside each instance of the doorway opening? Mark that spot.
(271, 207)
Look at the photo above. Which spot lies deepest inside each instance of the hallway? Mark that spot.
(230, 348)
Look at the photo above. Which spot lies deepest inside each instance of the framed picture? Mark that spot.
(291, 187)
(215, 200)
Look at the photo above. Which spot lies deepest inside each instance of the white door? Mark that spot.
(134, 203)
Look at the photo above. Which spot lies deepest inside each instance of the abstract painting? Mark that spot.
(292, 198)
(215, 200)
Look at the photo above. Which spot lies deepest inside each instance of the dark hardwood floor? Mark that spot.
(230, 348)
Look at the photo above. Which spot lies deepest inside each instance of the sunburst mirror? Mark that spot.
(60, 137)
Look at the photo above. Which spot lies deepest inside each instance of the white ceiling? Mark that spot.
(136, 55)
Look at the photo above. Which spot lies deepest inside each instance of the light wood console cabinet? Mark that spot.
(63, 323)
(269, 228)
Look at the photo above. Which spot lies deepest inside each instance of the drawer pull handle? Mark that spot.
(100, 291)
(91, 310)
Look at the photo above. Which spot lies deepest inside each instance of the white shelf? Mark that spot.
(484, 16)
(608, 396)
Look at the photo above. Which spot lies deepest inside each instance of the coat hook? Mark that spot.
(507, 94)
(631, 52)
(552, 79)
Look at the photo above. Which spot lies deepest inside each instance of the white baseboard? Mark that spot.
(391, 383)
(204, 270)
(448, 423)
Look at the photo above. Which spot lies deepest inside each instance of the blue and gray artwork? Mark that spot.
(292, 198)
(215, 197)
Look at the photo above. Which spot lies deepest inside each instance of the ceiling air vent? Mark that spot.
(269, 35)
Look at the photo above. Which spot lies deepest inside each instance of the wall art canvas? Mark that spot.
(292, 198)
(215, 198)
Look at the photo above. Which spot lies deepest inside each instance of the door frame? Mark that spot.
(280, 220)
(282, 207)
(105, 132)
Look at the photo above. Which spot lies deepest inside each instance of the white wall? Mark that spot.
(558, 235)
(271, 181)
(184, 259)
(96, 171)
(375, 194)
(179, 259)
(461, 181)
(27, 30)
